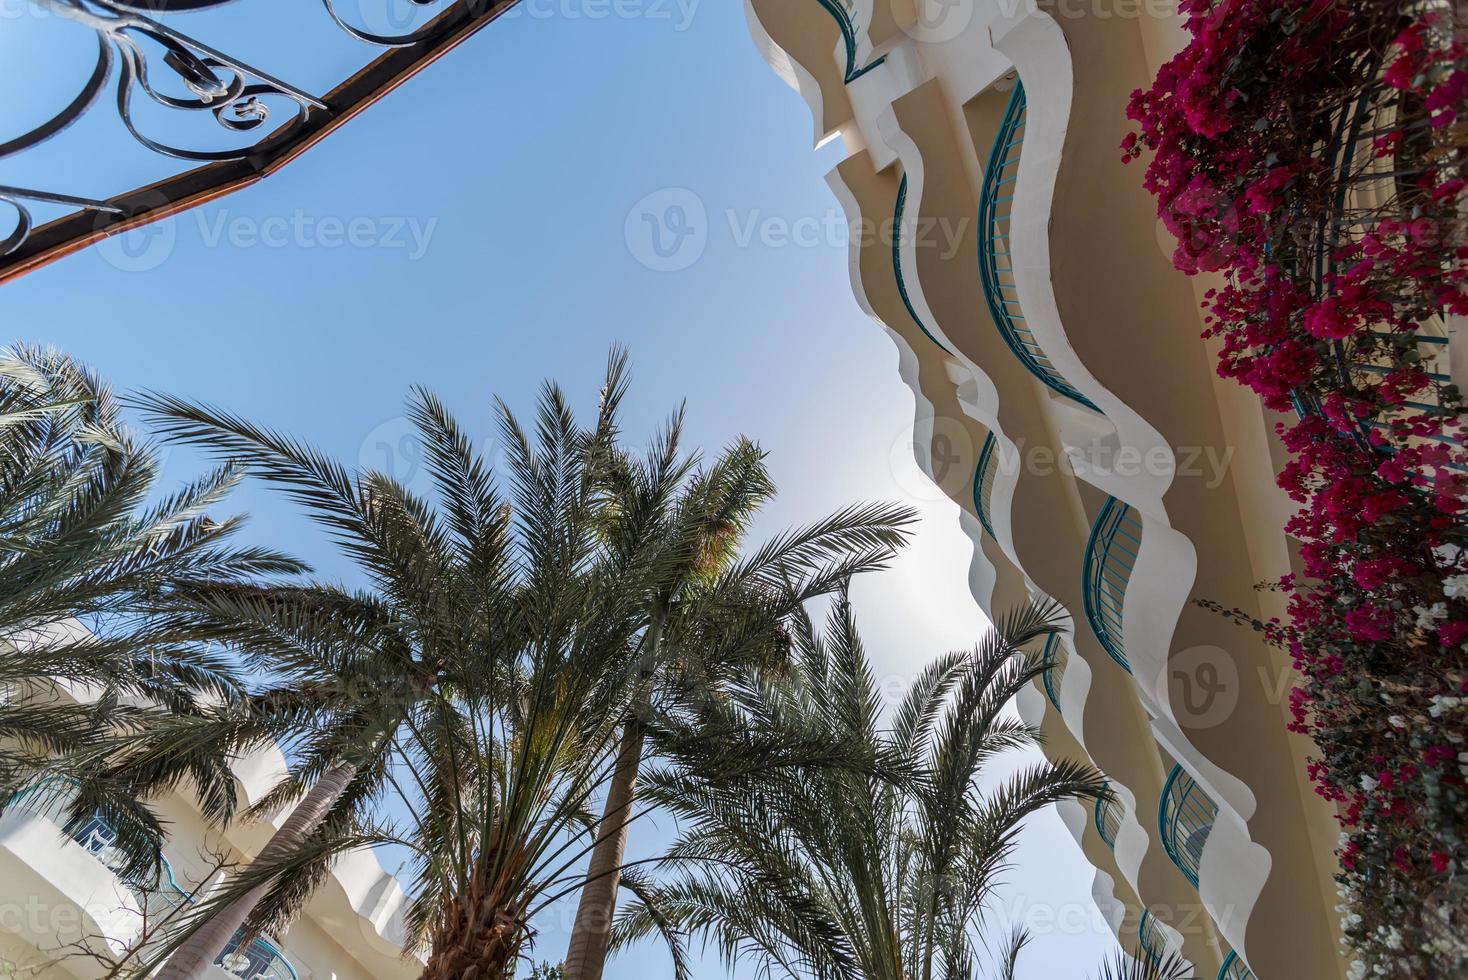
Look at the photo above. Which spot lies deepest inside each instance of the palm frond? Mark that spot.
(90, 662)
(1124, 967)
(880, 851)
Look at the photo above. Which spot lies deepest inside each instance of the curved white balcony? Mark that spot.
(357, 899)
(75, 898)
(89, 871)
(1185, 818)
(923, 340)
(996, 210)
(1235, 969)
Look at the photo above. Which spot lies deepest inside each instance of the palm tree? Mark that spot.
(835, 872)
(697, 614)
(339, 677)
(507, 642)
(87, 666)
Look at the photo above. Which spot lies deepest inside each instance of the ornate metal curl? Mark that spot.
(228, 88)
(13, 196)
(239, 97)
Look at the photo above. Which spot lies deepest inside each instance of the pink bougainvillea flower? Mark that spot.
(1369, 624)
(1238, 133)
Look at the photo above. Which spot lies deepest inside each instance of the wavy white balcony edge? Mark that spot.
(1034, 44)
(370, 894)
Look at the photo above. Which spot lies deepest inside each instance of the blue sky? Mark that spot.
(483, 228)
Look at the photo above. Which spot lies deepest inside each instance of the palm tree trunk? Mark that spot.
(587, 955)
(203, 947)
(479, 940)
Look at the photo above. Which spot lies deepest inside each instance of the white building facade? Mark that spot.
(66, 910)
(1101, 463)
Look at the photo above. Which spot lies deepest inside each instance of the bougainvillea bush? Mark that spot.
(1310, 153)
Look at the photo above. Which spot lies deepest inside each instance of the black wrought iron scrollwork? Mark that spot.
(226, 87)
(73, 110)
(151, 64)
(14, 198)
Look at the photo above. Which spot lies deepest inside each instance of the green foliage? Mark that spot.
(1171, 967)
(91, 667)
(821, 839)
(483, 676)
(512, 625)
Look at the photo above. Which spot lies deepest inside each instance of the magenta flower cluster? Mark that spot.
(1310, 154)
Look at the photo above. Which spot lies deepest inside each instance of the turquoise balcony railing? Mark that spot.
(260, 960)
(844, 11)
(1185, 817)
(1154, 942)
(1107, 814)
(51, 798)
(899, 209)
(160, 895)
(1111, 554)
(996, 266)
(95, 835)
(1235, 969)
(1430, 350)
(984, 482)
(1366, 182)
(1054, 669)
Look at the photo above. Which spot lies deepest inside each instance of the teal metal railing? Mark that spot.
(1356, 170)
(897, 212)
(1185, 817)
(261, 959)
(1428, 348)
(1054, 669)
(1111, 554)
(49, 799)
(1107, 814)
(1153, 940)
(984, 482)
(1235, 969)
(996, 266)
(844, 12)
